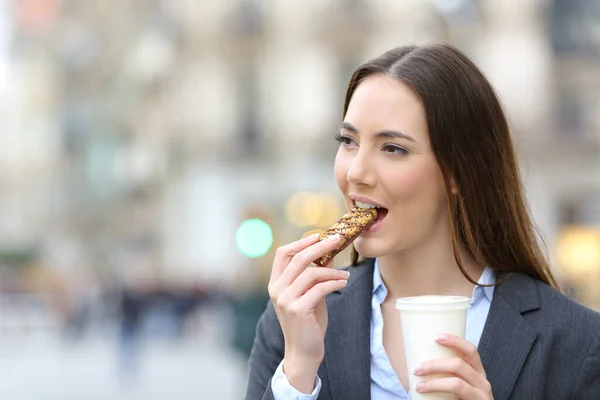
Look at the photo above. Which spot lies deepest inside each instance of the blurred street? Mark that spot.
(41, 367)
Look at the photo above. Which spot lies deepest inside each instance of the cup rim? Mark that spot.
(432, 303)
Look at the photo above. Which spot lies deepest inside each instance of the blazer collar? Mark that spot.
(507, 337)
(348, 337)
(505, 343)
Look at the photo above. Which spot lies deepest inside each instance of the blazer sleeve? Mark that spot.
(588, 380)
(266, 355)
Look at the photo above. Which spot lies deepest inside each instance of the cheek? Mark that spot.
(423, 187)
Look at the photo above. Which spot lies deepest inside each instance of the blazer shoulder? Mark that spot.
(265, 356)
(576, 333)
(564, 310)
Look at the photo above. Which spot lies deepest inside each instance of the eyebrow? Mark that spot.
(386, 134)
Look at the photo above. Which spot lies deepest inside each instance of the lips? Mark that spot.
(363, 202)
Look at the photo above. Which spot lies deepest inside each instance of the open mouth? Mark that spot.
(381, 214)
(381, 211)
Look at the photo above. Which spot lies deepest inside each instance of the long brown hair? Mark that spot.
(470, 138)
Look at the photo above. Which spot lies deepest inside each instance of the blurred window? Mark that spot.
(249, 18)
(578, 110)
(570, 119)
(583, 210)
(575, 27)
(249, 101)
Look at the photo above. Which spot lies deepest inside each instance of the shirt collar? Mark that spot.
(379, 289)
(488, 277)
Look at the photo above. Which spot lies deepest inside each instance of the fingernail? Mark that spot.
(314, 236)
(343, 281)
(441, 338)
(419, 386)
(334, 238)
(345, 273)
(417, 369)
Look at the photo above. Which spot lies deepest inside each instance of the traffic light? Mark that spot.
(254, 238)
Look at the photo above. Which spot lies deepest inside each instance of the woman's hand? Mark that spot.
(298, 295)
(469, 381)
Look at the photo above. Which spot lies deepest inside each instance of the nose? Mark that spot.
(361, 171)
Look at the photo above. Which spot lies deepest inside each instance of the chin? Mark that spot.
(366, 249)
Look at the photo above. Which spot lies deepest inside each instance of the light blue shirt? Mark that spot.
(385, 385)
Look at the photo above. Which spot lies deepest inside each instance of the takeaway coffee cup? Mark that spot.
(422, 318)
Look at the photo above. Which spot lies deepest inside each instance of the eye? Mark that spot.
(393, 149)
(344, 140)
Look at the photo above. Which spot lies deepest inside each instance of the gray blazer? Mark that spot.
(536, 344)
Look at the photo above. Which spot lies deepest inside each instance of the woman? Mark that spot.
(424, 139)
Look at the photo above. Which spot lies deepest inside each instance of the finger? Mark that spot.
(284, 254)
(318, 292)
(450, 385)
(303, 259)
(453, 366)
(465, 349)
(310, 277)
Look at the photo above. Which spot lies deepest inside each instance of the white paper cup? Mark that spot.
(422, 318)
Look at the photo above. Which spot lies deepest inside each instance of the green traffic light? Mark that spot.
(254, 238)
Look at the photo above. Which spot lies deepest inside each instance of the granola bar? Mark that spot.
(348, 227)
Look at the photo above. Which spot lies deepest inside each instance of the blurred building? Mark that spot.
(138, 135)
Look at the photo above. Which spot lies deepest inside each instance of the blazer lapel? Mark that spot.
(507, 337)
(348, 337)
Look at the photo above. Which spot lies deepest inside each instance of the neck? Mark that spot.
(428, 270)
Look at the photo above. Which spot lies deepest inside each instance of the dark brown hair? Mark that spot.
(470, 138)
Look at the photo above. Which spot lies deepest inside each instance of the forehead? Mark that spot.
(384, 103)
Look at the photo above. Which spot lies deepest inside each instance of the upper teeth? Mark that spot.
(360, 204)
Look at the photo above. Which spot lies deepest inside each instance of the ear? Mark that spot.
(453, 186)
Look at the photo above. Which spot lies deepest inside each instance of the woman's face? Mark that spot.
(385, 159)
